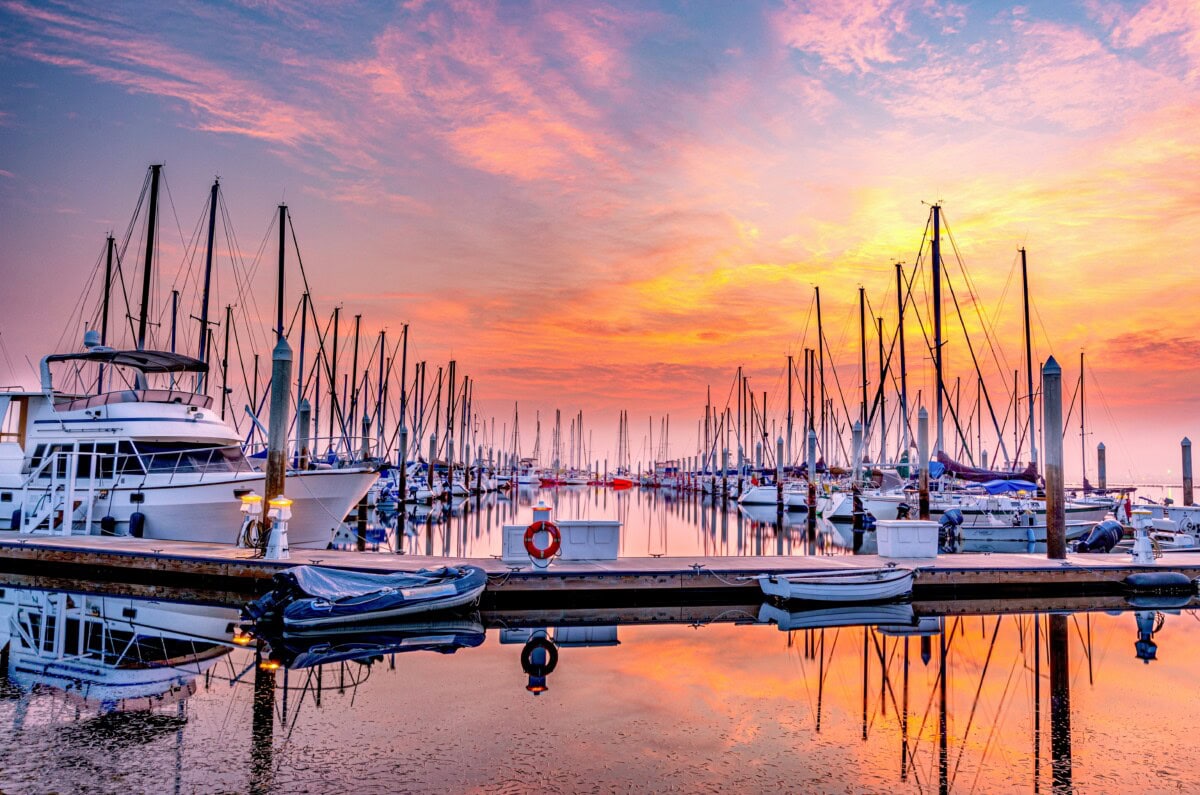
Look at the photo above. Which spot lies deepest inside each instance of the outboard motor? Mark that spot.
(903, 510)
(1101, 538)
(868, 522)
(948, 527)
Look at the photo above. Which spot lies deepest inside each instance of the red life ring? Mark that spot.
(555, 540)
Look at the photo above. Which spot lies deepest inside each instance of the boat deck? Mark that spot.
(196, 565)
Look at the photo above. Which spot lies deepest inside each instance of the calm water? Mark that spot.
(655, 522)
(718, 701)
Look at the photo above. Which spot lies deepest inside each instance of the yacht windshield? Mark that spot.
(185, 457)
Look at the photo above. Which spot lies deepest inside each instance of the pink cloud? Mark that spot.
(848, 35)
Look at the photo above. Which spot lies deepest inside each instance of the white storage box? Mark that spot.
(582, 539)
(907, 538)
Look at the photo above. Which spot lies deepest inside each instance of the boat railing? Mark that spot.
(73, 403)
(62, 497)
(219, 460)
(335, 452)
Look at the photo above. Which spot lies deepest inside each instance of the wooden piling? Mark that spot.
(1052, 423)
(923, 462)
(1186, 447)
(1101, 467)
(277, 432)
(812, 482)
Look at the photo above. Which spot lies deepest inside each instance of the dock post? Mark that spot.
(366, 438)
(277, 431)
(779, 474)
(724, 472)
(432, 456)
(1101, 467)
(812, 482)
(856, 440)
(303, 432)
(402, 497)
(923, 463)
(1056, 517)
(1186, 447)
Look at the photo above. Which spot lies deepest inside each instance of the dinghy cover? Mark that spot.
(304, 594)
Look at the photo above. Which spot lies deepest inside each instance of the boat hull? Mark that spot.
(872, 585)
(209, 510)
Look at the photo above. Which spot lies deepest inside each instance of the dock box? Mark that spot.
(582, 539)
(907, 538)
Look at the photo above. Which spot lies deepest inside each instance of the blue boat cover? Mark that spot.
(335, 584)
(1004, 486)
(335, 596)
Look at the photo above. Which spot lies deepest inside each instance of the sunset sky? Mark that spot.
(613, 206)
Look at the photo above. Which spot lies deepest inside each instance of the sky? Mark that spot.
(597, 207)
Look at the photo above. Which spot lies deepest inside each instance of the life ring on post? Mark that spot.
(536, 552)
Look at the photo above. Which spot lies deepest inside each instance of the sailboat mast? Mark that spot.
(882, 399)
(225, 360)
(151, 229)
(1082, 427)
(900, 301)
(108, 263)
(862, 346)
(936, 252)
(790, 376)
(1028, 360)
(282, 250)
(821, 363)
(202, 350)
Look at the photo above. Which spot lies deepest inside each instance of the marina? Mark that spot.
(595, 397)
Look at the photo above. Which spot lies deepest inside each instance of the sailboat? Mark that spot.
(118, 455)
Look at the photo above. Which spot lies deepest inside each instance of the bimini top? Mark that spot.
(146, 361)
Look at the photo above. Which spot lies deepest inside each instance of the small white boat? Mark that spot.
(865, 585)
(898, 616)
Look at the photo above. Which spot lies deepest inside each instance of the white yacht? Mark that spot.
(127, 459)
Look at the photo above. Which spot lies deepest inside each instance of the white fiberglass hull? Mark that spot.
(871, 585)
(209, 510)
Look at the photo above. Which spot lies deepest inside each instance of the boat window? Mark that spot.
(129, 463)
(185, 457)
(38, 453)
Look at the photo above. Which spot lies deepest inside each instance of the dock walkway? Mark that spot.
(674, 579)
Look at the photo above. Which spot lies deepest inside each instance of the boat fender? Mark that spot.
(108, 526)
(137, 524)
(542, 664)
(1160, 582)
(538, 553)
(16, 520)
(1101, 538)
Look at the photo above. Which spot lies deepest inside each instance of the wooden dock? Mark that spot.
(678, 580)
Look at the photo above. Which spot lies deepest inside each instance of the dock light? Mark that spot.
(280, 513)
(269, 665)
(242, 637)
(252, 504)
(281, 508)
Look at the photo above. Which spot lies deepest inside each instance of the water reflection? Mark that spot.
(953, 696)
(655, 523)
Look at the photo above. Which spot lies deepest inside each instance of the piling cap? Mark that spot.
(1186, 442)
(1051, 367)
(922, 413)
(1100, 446)
(282, 352)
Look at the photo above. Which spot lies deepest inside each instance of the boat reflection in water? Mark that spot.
(920, 696)
(114, 653)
